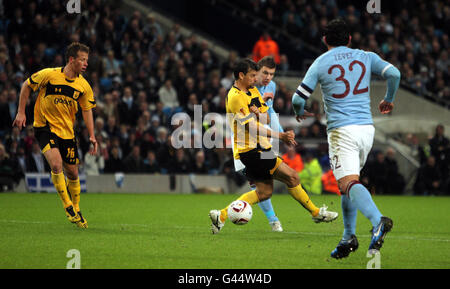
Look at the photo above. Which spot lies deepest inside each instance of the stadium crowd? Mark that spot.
(412, 35)
(141, 75)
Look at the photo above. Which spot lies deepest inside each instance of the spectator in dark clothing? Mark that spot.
(10, 172)
(35, 161)
(128, 109)
(180, 164)
(114, 164)
(147, 144)
(199, 166)
(396, 182)
(164, 155)
(5, 115)
(133, 162)
(439, 146)
(376, 172)
(429, 179)
(150, 164)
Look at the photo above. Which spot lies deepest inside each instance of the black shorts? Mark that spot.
(67, 147)
(258, 168)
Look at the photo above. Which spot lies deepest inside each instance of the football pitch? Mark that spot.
(173, 232)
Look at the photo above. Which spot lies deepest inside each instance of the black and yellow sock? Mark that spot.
(302, 197)
(250, 197)
(74, 189)
(59, 181)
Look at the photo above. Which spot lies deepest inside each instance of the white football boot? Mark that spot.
(276, 226)
(216, 224)
(325, 215)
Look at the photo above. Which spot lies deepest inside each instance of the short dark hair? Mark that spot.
(267, 61)
(73, 48)
(337, 32)
(244, 66)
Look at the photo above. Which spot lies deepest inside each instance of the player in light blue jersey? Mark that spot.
(267, 88)
(344, 77)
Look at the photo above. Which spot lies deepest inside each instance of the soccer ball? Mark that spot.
(240, 212)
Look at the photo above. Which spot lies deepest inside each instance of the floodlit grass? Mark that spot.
(173, 231)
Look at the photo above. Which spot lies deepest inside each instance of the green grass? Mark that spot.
(173, 231)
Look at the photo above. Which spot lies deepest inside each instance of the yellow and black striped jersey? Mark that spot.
(56, 104)
(237, 106)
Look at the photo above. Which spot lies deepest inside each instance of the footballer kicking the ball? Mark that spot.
(247, 113)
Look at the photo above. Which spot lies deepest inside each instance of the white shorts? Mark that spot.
(348, 148)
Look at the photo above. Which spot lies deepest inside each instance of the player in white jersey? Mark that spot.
(344, 77)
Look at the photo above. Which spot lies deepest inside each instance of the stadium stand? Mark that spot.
(142, 73)
(414, 41)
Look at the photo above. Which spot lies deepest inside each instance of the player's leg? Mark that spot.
(290, 177)
(73, 184)
(349, 242)
(53, 157)
(349, 147)
(48, 142)
(267, 208)
(263, 191)
(258, 169)
(68, 148)
(74, 189)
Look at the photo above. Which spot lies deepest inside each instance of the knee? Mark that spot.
(264, 195)
(293, 180)
(56, 167)
(72, 174)
(345, 184)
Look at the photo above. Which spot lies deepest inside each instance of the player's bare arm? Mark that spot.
(21, 118)
(89, 121)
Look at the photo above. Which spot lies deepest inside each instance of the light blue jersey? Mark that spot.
(344, 77)
(269, 90)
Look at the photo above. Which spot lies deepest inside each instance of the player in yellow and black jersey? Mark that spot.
(247, 114)
(61, 89)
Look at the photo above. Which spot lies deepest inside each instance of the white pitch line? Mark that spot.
(285, 232)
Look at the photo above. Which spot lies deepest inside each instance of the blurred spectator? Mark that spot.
(311, 175)
(329, 183)
(169, 98)
(150, 164)
(396, 182)
(266, 46)
(127, 108)
(133, 162)
(440, 146)
(199, 166)
(293, 159)
(35, 161)
(180, 164)
(376, 172)
(114, 162)
(429, 179)
(10, 172)
(165, 153)
(93, 164)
